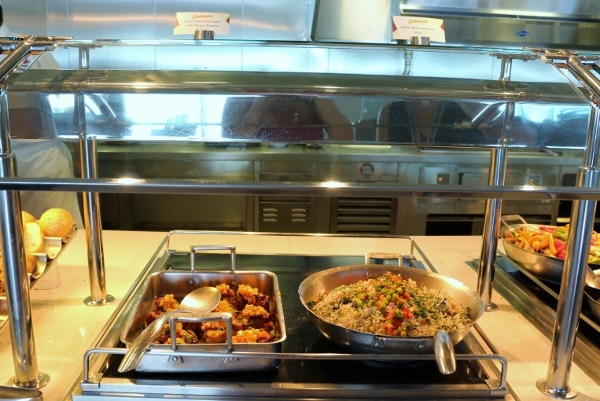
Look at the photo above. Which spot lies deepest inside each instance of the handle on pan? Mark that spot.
(196, 248)
(505, 219)
(382, 255)
(209, 317)
(138, 348)
(444, 352)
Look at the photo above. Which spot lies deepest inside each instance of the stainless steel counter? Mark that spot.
(65, 327)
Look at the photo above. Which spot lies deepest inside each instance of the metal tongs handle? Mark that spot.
(211, 317)
(138, 348)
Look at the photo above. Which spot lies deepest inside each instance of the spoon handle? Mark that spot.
(137, 349)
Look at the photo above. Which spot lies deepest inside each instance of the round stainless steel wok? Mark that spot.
(593, 298)
(542, 266)
(327, 280)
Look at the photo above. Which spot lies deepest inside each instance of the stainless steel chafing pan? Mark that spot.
(162, 358)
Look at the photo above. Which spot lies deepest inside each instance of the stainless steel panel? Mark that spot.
(109, 19)
(285, 215)
(514, 23)
(140, 19)
(510, 23)
(200, 212)
(29, 17)
(236, 57)
(522, 33)
(170, 164)
(354, 21)
(167, 212)
(363, 215)
(160, 212)
(538, 9)
(285, 170)
(250, 19)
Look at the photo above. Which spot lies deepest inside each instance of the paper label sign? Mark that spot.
(405, 28)
(189, 23)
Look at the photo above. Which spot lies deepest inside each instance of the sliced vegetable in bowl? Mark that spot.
(548, 240)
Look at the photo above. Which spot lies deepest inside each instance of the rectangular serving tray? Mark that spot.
(162, 358)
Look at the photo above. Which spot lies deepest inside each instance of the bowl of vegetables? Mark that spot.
(540, 249)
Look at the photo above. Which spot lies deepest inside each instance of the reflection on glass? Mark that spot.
(299, 118)
(285, 118)
(429, 121)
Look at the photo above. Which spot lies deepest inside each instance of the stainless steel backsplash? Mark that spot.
(288, 20)
(504, 23)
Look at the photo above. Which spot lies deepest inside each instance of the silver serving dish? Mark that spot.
(165, 358)
(542, 266)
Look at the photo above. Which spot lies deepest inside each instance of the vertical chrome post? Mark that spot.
(493, 207)
(491, 228)
(91, 200)
(505, 69)
(13, 254)
(556, 383)
(570, 297)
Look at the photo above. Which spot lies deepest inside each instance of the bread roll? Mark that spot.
(31, 262)
(27, 217)
(56, 222)
(33, 238)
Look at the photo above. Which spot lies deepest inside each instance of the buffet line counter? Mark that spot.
(65, 328)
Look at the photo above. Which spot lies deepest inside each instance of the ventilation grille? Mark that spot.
(285, 216)
(364, 216)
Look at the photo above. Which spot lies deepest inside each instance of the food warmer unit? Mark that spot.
(491, 95)
(307, 364)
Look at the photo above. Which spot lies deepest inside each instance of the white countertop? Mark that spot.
(64, 327)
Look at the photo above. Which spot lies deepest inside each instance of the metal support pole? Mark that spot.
(91, 201)
(491, 228)
(17, 281)
(570, 297)
(556, 383)
(505, 70)
(493, 207)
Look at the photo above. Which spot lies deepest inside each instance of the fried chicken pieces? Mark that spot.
(251, 320)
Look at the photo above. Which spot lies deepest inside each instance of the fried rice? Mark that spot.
(389, 305)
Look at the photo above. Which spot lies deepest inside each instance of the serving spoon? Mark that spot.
(201, 300)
